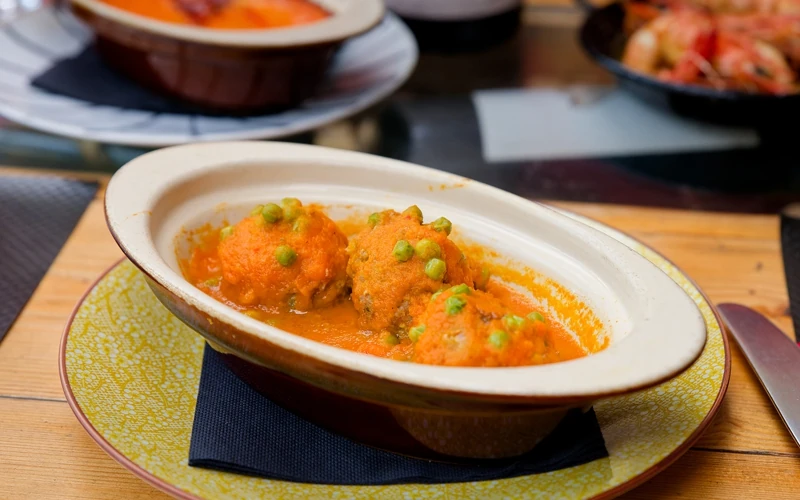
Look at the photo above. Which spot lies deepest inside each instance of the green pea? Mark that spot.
(285, 255)
(301, 224)
(415, 332)
(292, 208)
(513, 322)
(535, 316)
(435, 269)
(498, 339)
(442, 225)
(271, 213)
(256, 210)
(427, 249)
(392, 339)
(403, 250)
(225, 232)
(374, 219)
(291, 202)
(436, 295)
(212, 282)
(484, 279)
(414, 212)
(454, 304)
(461, 289)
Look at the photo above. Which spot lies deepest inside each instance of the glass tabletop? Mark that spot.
(433, 121)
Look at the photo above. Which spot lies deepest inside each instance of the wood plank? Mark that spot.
(46, 454)
(553, 18)
(533, 5)
(646, 220)
(729, 270)
(724, 476)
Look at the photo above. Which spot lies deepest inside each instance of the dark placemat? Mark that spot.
(37, 215)
(85, 77)
(238, 430)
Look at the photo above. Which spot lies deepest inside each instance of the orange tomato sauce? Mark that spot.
(338, 324)
(230, 14)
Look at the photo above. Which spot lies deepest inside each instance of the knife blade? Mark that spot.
(790, 248)
(773, 356)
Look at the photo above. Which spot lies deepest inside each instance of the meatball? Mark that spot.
(282, 256)
(397, 264)
(466, 327)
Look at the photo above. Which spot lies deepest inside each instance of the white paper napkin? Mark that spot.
(583, 122)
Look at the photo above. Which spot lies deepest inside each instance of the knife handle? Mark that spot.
(790, 247)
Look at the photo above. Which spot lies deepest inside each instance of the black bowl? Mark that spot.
(602, 37)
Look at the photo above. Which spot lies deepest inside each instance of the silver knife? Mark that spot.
(774, 357)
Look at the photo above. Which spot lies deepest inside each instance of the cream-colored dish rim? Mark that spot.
(669, 335)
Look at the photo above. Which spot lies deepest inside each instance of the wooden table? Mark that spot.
(745, 453)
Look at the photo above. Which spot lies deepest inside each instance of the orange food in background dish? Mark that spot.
(397, 263)
(460, 311)
(227, 14)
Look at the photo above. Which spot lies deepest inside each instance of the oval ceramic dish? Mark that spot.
(226, 70)
(655, 330)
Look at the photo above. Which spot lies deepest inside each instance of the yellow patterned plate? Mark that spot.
(130, 372)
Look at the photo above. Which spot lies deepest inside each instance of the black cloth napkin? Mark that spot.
(37, 215)
(85, 77)
(238, 430)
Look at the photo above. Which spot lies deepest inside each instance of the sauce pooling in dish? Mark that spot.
(402, 289)
(227, 14)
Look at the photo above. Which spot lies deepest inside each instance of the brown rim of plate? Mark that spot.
(628, 485)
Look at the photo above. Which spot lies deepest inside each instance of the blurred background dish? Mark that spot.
(603, 37)
(364, 71)
(747, 46)
(227, 70)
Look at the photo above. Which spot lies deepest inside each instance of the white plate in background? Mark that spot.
(366, 70)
